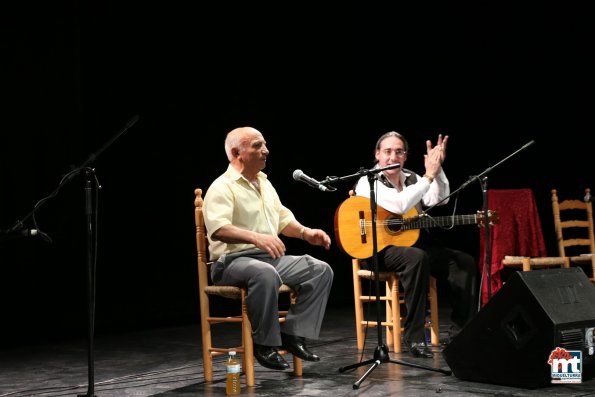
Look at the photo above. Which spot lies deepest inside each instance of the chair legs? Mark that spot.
(246, 349)
(393, 314)
(393, 300)
(248, 346)
(248, 357)
(359, 310)
(434, 325)
(392, 306)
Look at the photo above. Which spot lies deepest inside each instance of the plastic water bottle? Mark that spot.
(428, 328)
(234, 368)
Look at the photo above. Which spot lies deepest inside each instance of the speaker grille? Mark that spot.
(572, 339)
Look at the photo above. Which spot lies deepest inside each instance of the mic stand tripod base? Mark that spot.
(381, 356)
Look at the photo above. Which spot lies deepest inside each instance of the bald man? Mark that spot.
(244, 217)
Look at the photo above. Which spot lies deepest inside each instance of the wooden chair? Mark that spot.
(393, 298)
(573, 222)
(208, 320)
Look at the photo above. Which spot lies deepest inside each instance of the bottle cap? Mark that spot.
(232, 353)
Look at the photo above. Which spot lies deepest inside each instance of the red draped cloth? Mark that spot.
(519, 233)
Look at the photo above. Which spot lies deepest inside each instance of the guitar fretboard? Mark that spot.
(426, 221)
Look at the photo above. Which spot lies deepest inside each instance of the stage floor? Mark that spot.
(167, 362)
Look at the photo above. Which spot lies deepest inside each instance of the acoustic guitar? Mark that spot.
(353, 226)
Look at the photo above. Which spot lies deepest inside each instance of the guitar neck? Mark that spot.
(426, 221)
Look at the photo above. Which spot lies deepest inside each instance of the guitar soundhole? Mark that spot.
(393, 225)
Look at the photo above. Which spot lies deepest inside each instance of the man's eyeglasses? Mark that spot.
(398, 152)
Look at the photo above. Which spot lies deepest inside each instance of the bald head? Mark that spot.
(237, 138)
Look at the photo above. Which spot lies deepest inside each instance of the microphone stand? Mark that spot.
(381, 352)
(487, 224)
(91, 229)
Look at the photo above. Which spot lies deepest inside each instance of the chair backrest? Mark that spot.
(199, 221)
(573, 221)
(205, 285)
(201, 243)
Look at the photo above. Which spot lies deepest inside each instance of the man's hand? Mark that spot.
(273, 245)
(317, 237)
(435, 156)
(441, 144)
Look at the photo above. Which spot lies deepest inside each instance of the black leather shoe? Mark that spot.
(268, 357)
(296, 345)
(419, 349)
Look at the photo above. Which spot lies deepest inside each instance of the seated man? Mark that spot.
(398, 190)
(244, 217)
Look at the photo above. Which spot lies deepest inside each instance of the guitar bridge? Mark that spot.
(362, 228)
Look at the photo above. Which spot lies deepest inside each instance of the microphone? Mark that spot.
(19, 233)
(299, 176)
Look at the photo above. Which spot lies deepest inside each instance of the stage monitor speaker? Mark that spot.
(510, 339)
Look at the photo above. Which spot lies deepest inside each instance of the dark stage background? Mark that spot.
(320, 83)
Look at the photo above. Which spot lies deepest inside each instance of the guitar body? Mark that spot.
(353, 228)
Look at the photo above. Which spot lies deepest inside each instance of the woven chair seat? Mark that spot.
(581, 259)
(369, 275)
(534, 263)
(231, 292)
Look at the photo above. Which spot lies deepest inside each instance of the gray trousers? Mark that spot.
(310, 277)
